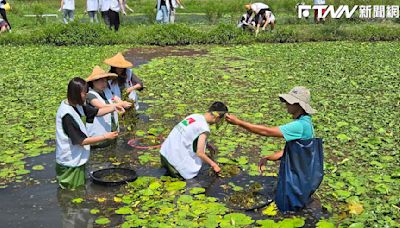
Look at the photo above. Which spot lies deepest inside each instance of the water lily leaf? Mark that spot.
(185, 199)
(124, 211)
(236, 219)
(94, 211)
(267, 223)
(155, 185)
(225, 161)
(77, 200)
(175, 186)
(117, 199)
(325, 224)
(38, 167)
(195, 191)
(271, 210)
(139, 133)
(355, 208)
(102, 221)
(101, 199)
(357, 225)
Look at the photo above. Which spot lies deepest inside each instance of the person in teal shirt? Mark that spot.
(298, 105)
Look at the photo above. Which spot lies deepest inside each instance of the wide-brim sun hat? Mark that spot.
(99, 73)
(299, 95)
(119, 61)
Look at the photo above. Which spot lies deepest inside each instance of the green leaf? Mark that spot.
(124, 211)
(94, 211)
(325, 224)
(102, 221)
(38, 167)
(77, 200)
(195, 191)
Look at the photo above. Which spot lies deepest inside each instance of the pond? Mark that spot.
(358, 181)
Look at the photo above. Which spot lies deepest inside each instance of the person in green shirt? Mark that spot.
(298, 105)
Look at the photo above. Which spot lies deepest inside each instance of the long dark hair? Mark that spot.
(75, 87)
(121, 77)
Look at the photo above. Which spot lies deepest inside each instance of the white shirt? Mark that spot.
(256, 7)
(178, 147)
(69, 5)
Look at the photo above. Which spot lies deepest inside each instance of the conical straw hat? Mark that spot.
(98, 73)
(119, 61)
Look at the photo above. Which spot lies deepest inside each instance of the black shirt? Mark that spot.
(71, 127)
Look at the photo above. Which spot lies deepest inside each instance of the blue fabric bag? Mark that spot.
(300, 173)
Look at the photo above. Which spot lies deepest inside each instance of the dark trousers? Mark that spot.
(114, 19)
(4, 16)
(104, 15)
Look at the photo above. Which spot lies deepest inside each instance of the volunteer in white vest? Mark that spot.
(68, 8)
(116, 6)
(259, 9)
(100, 96)
(183, 152)
(72, 141)
(127, 82)
(104, 6)
(174, 5)
(92, 6)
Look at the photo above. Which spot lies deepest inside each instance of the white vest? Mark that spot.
(178, 147)
(92, 5)
(102, 124)
(133, 96)
(105, 5)
(68, 154)
(69, 5)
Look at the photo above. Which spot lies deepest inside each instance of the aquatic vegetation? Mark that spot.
(354, 87)
(114, 177)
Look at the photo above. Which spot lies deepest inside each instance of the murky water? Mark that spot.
(38, 202)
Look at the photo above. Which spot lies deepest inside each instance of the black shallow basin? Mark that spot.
(98, 176)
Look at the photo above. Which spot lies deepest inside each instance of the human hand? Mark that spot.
(119, 108)
(261, 164)
(216, 168)
(232, 119)
(111, 135)
(126, 104)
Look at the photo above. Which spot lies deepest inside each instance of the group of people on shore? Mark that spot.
(258, 15)
(99, 99)
(110, 11)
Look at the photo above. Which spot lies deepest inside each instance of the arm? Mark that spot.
(129, 8)
(258, 129)
(201, 146)
(100, 138)
(62, 3)
(266, 23)
(121, 3)
(272, 157)
(135, 87)
(137, 82)
(109, 109)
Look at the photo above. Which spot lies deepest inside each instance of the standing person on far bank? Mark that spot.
(68, 8)
(104, 6)
(92, 6)
(163, 9)
(3, 12)
(113, 14)
(174, 5)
